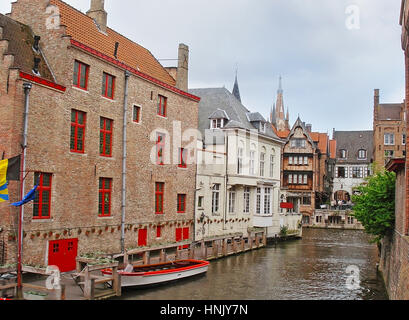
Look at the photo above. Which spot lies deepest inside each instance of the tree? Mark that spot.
(375, 204)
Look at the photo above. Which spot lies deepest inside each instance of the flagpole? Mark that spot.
(27, 87)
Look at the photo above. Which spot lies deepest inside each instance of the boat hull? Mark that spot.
(141, 279)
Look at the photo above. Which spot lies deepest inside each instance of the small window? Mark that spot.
(105, 143)
(108, 86)
(104, 203)
(341, 172)
(42, 201)
(158, 232)
(362, 154)
(181, 203)
(389, 139)
(200, 202)
(343, 154)
(160, 149)
(159, 197)
(404, 139)
(136, 114)
(81, 71)
(246, 208)
(77, 138)
(217, 123)
(162, 105)
(182, 158)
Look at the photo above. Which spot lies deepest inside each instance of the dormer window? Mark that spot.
(262, 127)
(362, 154)
(343, 154)
(217, 123)
(298, 143)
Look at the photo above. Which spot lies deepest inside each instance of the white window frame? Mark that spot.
(240, 152)
(216, 198)
(232, 200)
(272, 160)
(252, 163)
(262, 164)
(389, 139)
(247, 194)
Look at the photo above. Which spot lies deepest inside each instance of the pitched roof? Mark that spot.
(219, 114)
(390, 111)
(352, 142)
(255, 117)
(213, 99)
(83, 29)
(21, 41)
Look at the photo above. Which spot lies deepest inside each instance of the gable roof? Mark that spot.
(83, 29)
(220, 99)
(352, 142)
(21, 41)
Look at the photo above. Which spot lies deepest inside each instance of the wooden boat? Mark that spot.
(145, 275)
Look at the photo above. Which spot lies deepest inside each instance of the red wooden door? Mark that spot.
(142, 237)
(63, 254)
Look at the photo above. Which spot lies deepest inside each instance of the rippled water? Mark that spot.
(313, 268)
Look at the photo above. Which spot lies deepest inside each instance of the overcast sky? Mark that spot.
(330, 64)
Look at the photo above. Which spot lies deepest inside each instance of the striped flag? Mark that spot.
(9, 170)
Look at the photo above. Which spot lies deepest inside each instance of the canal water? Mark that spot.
(314, 268)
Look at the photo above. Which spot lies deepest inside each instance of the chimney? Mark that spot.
(376, 104)
(309, 127)
(98, 13)
(182, 79)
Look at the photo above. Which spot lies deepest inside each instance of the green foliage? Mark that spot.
(375, 204)
(284, 231)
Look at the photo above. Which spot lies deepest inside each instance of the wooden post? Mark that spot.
(146, 257)
(251, 242)
(89, 285)
(203, 250)
(215, 249)
(234, 245)
(192, 251)
(243, 244)
(224, 250)
(264, 239)
(257, 241)
(126, 258)
(162, 256)
(116, 283)
(62, 292)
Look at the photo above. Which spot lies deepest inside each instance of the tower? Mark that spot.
(282, 122)
(236, 90)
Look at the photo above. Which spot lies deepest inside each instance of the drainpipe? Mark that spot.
(226, 142)
(27, 87)
(123, 207)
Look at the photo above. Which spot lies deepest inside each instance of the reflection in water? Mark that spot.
(313, 268)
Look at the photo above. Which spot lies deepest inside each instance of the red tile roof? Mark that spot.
(84, 30)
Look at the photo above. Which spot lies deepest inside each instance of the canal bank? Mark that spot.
(313, 268)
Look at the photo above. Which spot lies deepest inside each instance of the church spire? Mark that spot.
(236, 90)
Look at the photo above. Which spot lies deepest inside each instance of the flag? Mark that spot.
(29, 197)
(9, 170)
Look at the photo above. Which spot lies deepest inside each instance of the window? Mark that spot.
(160, 149)
(159, 193)
(362, 154)
(290, 179)
(108, 85)
(262, 163)
(232, 200)
(162, 105)
(78, 120)
(258, 201)
(389, 153)
(290, 160)
(246, 208)
(42, 201)
(105, 137)
(263, 201)
(295, 161)
(182, 234)
(252, 163)
(306, 161)
(272, 159)
(267, 201)
(200, 202)
(181, 203)
(240, 161)
(215, 198)
(343, 154)
(182, 158)
(357, 172)
(342, 172)
(81, 71)
(104, 203)
(158, 232)
(262, 127)
(142, 237)
(295, 179)
(389, 139)
(305, 179)
(404, 139)
(306, 201)
(137, 114)
(298, 143)
(217, 123)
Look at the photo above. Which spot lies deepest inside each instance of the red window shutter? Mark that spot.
(186, 236)
(179, 236)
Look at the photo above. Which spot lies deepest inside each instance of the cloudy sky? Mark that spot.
(332, 54)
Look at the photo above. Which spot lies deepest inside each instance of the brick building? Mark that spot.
(394, 262)
(389, 131)
(307, 169)
(105, 144)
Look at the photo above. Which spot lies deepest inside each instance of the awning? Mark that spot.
(286, 205)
